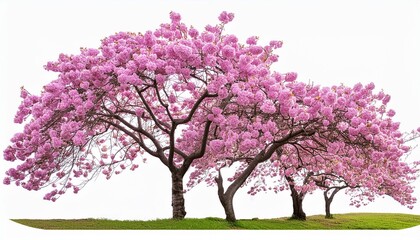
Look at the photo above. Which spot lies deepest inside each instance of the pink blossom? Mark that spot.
(172, 98)
(79, 138)
(247, 144)
(272, 94)
(216, 146)
(243, 99)
(170, 69)
(268, 107)
(6, 181)
(355, 121)
(293, 112)
(353, 131)
(276, 44)
(289, 171)
(182, 51)
(386, 99)
(342, 126)
(351, 112)
(290, 77)
(370, 86)
(223, 93)
(216, 111)
(303, 116)
(225, 17)
(230, 39)
(326, 111)
(56, 142)
(210, 48)
(256, 49)
(175, 17)
(134, 167)
(330, 98)
(208, 37)
(259, 96)
(228, 51)
(233, 121)
(9, 154)
(193, 32)
(252, 40)
(151, 66)
(391, 113)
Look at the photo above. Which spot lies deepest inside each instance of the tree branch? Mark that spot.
(194, 108)
(158, 123)
(199, 153)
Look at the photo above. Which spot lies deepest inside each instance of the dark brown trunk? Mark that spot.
(298, 212)
(327, 206)
(178, 202)
(297, 198)
(328, 201)
(226, 198)
(227, 204)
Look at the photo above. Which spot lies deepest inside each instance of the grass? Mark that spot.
(340, 221)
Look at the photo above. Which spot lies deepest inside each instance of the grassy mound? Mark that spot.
(340, 221)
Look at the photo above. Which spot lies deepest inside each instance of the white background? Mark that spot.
(327, 42)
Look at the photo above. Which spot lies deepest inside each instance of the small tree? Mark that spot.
(298, 194)
(331, 185)
(365, 180)
(307, 127)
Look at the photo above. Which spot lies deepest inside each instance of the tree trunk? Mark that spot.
(327, 206)
(298, 212)
(226, 198)
(297, 198)
(328, 201)
(178, 202)
(227, 203)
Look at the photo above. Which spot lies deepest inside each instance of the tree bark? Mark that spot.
(226, 198)
(297, 198)
(178, 202)
(328, 201)
(298, 212)
(327, 206)
(227, 203)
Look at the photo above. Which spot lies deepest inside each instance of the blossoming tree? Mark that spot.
(303, 129)
(367, 181)
(131, 98)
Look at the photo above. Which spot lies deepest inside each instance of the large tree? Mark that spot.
(131, 98)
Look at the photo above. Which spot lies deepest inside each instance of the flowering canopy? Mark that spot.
(352, 137)
(127, 99)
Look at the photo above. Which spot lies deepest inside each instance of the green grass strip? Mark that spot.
(340, 221)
